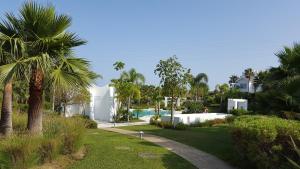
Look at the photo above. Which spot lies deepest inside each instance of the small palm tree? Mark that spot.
(199, 85)
(133, 76)
(233, 79)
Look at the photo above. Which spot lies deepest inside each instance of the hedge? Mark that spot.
(265, 142)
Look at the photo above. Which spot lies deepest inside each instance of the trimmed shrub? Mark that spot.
(209, 123)
(181, 126)
(238, 112)
(264, 142)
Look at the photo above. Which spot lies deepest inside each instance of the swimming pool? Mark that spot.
(148, 112)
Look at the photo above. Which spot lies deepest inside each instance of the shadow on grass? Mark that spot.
(169, 160)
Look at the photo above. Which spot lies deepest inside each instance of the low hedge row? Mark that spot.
(265, 142)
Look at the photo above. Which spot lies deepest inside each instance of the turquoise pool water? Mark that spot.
(149, 112)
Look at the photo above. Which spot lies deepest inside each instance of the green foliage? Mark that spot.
(281, 85)
(263, 142)
(173, 78)
(119, 65)
(181, 126)
(193, 107)
(209, 123)
(199, 88)
(60, 136)
(155, 120)
(239, 112)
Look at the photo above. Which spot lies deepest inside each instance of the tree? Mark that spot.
(221, 91)
(249, 74)
(156, 98)
(173, 77)
(48, 54)
(259, 79)
(128, 87)
(11, 49)
(199, 87)
(133, 76)
(233, 79)
(119, 65)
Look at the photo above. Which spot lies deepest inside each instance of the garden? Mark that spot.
(40, 75)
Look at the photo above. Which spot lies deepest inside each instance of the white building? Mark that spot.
(103, 105)
(237, 104)
(245, 85)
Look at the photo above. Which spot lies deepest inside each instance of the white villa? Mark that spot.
(103, 105)
(245, 85)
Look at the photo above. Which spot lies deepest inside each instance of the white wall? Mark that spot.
(194, 118)
(102, 107)
(103, 104)
(237, 104)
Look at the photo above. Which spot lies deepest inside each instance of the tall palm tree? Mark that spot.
(249, 74)
(11, 48)
(47, 40)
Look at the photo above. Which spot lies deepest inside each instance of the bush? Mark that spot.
(288, 115)
(60, 136)
(88, 123)
(49, 149)
(264, 142)
(209, 123)
(193, 107)
(181, 126)
(239, 112)
(19, 151)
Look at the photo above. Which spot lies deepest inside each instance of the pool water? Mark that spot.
(148, 112)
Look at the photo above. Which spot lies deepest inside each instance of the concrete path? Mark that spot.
(102, 124)
(198, 158)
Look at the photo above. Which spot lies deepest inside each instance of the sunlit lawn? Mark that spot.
(214, 140)
(109, 150)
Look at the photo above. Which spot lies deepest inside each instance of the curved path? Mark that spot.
(198, 158)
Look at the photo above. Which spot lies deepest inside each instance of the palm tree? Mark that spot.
(133, 81)
(249, 74)
(222, 90)
(48, 44)
(233, 79)
(133, 76)
(11, 48)
(199, 85)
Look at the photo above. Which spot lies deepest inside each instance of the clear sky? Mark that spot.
(217, 37)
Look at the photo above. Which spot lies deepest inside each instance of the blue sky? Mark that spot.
(216, 37)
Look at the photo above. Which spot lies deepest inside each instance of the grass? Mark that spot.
(213, 140)
(111, 150)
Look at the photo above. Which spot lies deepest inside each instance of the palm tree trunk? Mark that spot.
(35, 102)
(128, 108)
(158, 111)
(53, 99)
(6, 111)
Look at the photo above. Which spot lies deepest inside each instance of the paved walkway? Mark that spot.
(198, 158)
(109, 125)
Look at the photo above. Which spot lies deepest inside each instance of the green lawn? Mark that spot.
(213, 140)
(109, 150)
